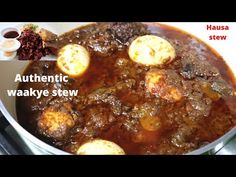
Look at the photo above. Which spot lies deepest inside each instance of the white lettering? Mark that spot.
(39, 93)
(18, 78)
(60, 92)
(11, 92)
(37, 78)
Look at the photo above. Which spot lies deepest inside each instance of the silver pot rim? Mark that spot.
(215, 145)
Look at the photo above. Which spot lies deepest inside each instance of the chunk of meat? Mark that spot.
(183, 137)
(198, 103)
(193, 67)
(114, 36)
(145, 110)
(98, 118)
(222, 87)
(198, 107)
(102, 43)
(125, 32)
(108, 96)
(126, 68)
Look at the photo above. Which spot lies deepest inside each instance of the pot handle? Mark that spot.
(7, 145)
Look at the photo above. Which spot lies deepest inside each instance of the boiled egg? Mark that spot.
(158, 83)
(100, 147)
(73, 59)
(151, 50)
(55, 124)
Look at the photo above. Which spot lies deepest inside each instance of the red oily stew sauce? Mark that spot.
(113, 101)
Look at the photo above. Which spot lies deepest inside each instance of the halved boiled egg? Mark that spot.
(73, 59)
(151, 50)
(100, 147)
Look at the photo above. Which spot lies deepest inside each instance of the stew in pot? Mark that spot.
(183, 100)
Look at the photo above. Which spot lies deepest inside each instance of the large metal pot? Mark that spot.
(9, 69)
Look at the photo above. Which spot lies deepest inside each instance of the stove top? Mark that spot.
(12, 144)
